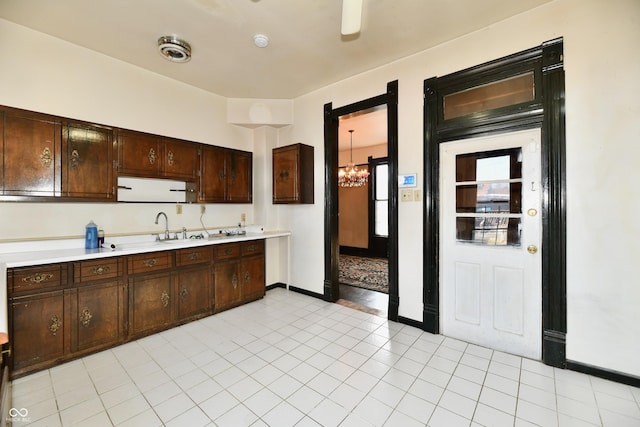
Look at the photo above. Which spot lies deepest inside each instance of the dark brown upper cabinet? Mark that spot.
(30, 159)
(293, 174)
(139, 154)
(180, 159)
(152, 156)
(225, 175)
(89, 153)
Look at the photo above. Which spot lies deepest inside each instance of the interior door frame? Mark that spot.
(331, 243)
(546, 111)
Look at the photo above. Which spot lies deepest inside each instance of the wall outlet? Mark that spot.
(203, 209)
(243, 217)
(417, 195)
(179, 209)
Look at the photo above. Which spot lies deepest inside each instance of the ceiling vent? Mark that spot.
(173, 49)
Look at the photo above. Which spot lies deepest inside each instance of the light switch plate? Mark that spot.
(406, 195)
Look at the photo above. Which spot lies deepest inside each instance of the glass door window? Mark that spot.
(489, 197)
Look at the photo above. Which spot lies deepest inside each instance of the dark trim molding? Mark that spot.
(603, 373)
(331, 245)
(276, 285)
(545, 111)
(306, 292)
(410, 322)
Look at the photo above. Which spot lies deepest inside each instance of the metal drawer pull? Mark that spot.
(54, 325)
(37, 278)
(164, 298)
(194, 256)
(101, 269)
(85, 317)
(149, 262)
(228, 251)
(170, 158)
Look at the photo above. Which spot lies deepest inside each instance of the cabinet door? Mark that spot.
(139, 154)
(227, 284)
(150, 302)
(88, 162)
(37, 330)
(180, 159)
(286, 187)
(98, 315)
(212, 174)
(253, 280)
(239, 177)
(31, 160)
(193, 292)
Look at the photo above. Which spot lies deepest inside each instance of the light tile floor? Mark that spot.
(294, 360)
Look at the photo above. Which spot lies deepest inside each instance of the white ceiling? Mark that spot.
(306, 50)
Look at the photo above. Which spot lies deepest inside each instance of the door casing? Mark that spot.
(546, 111)
(331, 244)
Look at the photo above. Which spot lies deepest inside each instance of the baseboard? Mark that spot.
(595, 371)
(306, 292)
(276, 285)
(411, 322)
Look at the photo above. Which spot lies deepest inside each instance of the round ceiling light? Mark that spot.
(261, 40)
(173, 49)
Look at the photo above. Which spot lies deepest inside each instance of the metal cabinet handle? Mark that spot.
(101, 270)
(170, 158)
(194, 256)
(149, 262)
(54, 325)
(85, 317)
(152, 156)
(75, 159)
(184, 293)
(164, 298)
(234, 281)
(46, 158)
(37, 278)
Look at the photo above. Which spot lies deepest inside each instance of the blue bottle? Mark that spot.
(91, 236)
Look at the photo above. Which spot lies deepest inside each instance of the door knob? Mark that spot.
(532, 249)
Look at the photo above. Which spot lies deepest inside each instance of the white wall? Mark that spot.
(602, 67)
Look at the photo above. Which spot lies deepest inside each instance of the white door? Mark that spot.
(490, 242)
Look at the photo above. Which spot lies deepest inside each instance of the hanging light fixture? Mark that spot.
(351, 176)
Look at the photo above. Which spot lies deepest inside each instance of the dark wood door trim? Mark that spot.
(546, 111)
(331, 244)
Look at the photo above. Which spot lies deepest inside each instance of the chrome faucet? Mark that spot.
(166, 225)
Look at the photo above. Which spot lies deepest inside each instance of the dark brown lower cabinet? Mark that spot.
(59, 312)
(38, 331)
(150, 303)
(239, 273)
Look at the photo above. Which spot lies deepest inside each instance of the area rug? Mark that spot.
(367, 273)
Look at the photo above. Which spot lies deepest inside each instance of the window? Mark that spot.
(489, 197)
(381, 200)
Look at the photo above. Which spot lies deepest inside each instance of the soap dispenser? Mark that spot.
(91, 236)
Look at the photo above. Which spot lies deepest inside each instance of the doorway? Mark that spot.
(363, 193)
(332, 244)
(490, 238)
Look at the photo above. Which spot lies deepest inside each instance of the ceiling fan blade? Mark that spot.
(351, 16)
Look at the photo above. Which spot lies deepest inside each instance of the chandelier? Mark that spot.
(351, 176)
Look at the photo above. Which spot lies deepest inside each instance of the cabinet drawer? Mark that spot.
(154, 261)
(87, 271)
(226, 250)
(193, 256)
(252, 247)
(35, 279)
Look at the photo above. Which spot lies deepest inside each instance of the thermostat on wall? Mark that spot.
(408, 180)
